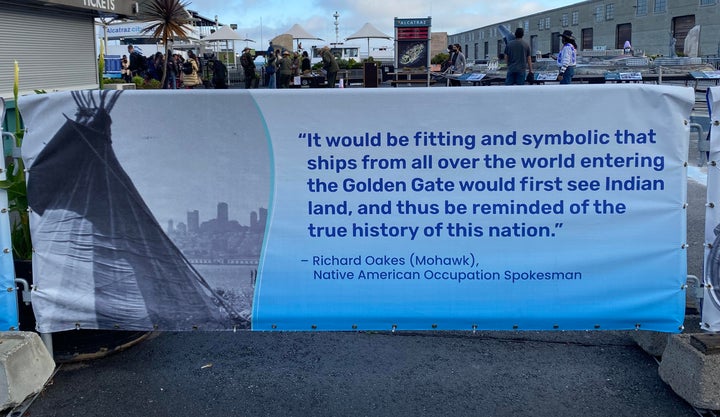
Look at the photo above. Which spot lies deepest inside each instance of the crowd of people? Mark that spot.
(518, 58)
(177, 71)
(282, 65)
(192, 72)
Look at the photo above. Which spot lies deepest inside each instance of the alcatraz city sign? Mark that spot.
(120, 7)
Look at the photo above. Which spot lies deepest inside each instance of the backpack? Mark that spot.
(187, 67)
(245, 61)
(270, 66)
(141, 61)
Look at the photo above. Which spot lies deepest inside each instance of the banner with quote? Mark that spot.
(474, 208)
(711, 278)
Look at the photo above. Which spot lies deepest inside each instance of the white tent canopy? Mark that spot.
(225, 34)
(366, 32)
(297, 32)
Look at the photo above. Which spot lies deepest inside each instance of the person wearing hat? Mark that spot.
(330, 65)
(247, 62)
(567, 58)
(285, 69)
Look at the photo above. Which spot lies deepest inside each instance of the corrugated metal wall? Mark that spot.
(54, 49)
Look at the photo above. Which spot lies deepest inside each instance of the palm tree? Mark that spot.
(167, 21)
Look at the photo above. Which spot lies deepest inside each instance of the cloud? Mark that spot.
(268, 18)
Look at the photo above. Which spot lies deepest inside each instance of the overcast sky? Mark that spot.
(262, 20)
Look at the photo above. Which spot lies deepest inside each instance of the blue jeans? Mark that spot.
(272, 83)
(170, 82)
(567, 75)
(515, 78)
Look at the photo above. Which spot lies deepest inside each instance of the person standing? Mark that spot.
(445, 66)
(305, 66)
(271, 68)
(125, 72)
(518, 59)
(458, 64)
(567, 58)
(219, 74)
(137, 65)
(171, 71)
(285, 70)
(191, 76)
(330, 65)
(247, 62)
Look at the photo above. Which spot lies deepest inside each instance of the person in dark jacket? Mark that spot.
(330, 65)
(137, 64)
(305, 66)
(219, 74)
(247, 62)
(285, 70)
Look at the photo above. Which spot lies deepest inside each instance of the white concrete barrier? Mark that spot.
(26, 366)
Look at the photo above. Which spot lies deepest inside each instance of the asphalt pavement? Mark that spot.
(600, 373)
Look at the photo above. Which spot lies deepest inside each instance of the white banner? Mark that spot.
(711, 278)
(473, 208)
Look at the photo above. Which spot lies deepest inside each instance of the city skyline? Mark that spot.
(193, 220)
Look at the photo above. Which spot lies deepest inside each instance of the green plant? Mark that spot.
(16, 189)
(440, 58)
(352, 64)
(139, 82)
(101, 65)
(152, 84)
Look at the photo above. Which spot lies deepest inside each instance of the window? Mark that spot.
(575, 18)
(526, 26)
(610, 11)
(707, 2)
(564, 20)
(599, 14)
(547, 22)
(541, 24)
(587, 39)
(660, 6)
(641, 8)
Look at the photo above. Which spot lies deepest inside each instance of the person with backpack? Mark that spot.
(219, 74)
(190, 68)
(271, 68)
(137, 65)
